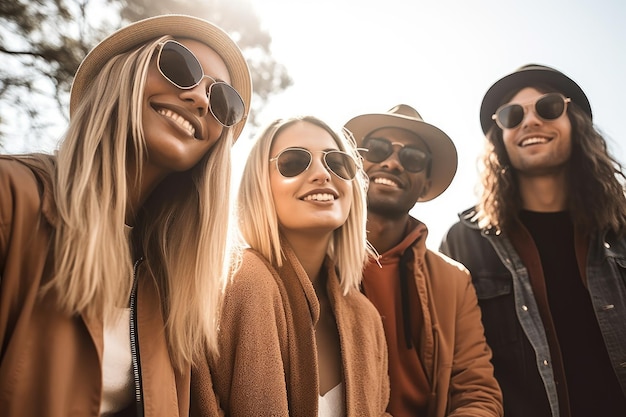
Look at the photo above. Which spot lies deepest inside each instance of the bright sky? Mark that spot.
(350, 57)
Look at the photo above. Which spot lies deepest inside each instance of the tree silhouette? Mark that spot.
(42, 42)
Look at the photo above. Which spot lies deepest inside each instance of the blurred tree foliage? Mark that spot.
(42, 42)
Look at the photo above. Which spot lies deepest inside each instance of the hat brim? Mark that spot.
(178, 26)
(443, 151)
(524, 78)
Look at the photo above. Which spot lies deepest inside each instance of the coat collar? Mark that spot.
(293, 272)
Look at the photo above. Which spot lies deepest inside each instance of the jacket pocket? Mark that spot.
(514, 358)
(497, 304)
(621, 266)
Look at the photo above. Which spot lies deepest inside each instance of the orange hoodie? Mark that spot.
(451, 374)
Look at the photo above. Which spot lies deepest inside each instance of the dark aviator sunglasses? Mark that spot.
(183, 69)
(548, 107)
(292, 162)
(377, 150)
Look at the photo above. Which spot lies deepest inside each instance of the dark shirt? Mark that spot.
(592, 385)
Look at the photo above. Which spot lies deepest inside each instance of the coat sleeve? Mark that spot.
(385, 387)
(364, 354)
(7, 205)
(248, 375)
(21, 216)
(474, 390)
(203, 402)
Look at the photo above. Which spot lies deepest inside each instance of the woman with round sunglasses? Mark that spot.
(546, 246)
(297, 338)
(112, 250)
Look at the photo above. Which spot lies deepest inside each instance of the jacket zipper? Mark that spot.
(134, 343)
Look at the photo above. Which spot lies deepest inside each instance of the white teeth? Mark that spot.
(385, 181)
(180, 120)
(533, 141)
(319, 197)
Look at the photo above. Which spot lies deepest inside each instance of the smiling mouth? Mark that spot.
(386, 181)
(179, 120)
(319, 197)
(538, 140)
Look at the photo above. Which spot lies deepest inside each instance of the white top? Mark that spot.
(117, 371)
(333, 403)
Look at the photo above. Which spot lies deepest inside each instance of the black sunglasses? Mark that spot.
(292, 162)
(548, 107)
(377, 150)
(181, 67)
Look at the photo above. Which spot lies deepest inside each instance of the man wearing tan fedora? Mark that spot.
(439, 362)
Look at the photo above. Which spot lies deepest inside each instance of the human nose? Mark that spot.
(530, 117)
(319, 171)
(393, 161)
(198, 97)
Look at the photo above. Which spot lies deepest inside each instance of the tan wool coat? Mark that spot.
(268, 361)
(51, 362)
(452, 348)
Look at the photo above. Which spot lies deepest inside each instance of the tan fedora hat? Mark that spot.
(442, 149)
(178, 26)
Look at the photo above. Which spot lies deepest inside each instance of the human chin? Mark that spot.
(388, 207)
(172, 154)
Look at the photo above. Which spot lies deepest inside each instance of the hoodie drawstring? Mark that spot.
(405, 260)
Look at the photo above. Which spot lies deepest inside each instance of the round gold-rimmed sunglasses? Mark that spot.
(548, 107)
(183, 69)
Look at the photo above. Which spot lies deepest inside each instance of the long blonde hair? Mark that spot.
(258, 221)
(182, 227)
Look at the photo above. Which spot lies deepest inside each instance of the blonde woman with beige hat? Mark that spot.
(112, 250)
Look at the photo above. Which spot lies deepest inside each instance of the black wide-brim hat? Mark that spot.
(442, 149)
(529, 75)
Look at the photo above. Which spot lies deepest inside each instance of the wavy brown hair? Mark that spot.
(596, 196)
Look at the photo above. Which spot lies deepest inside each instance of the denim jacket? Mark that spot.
(513, 326)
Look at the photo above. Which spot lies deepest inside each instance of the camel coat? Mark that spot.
(268, 361)
(452, 345)
(51, 362)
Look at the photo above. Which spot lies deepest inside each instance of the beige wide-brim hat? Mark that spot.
(178, 26)
(442, 149)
